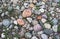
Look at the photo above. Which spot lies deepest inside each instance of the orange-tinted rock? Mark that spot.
(20, 22)
(39, 17)
(31, 5)
(26, 13)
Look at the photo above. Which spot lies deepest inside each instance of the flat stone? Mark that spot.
(6, 22)
(44, 36)
(48, 31)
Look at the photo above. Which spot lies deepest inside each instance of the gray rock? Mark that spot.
(6, 22)
(48, 31)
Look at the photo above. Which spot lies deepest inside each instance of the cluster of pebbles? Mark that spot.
(29, 19)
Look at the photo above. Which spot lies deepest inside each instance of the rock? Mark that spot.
(56, 37)
(0, 23)
(48, 26)
(44, 16)
(29, 19)
(16, 27)
(55, 21)
(34, 22)
(37, 27)
(39, 17)
(10, 8)
(44, 36)
(2, 35)
(43, 20)
(26, 13)
(40, 32)
(15, 22)
(6, 22)
(28, 35)
(54, 28)
(41, 10)
(48, 31)
(54, 4)
(20, 21)
(34, 37)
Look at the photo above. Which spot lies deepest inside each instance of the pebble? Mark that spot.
(40, 32)
(26, 13)
(39, 17)
(37, 27)
(34, 22)
(43, 20)
(2, 35)
(29, 19)
(41, 10)
(34, 37)
(6, 22)
(2, 14)
(44, 36)
(55, 21)
(48, 31)
(54, 28)
(15, 22)
(28, 35)
(48, 26)
(16, 27)
(10, 8)
(20, 21)
(31, 5)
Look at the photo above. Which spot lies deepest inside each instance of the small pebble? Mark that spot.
(26, 13)
(6, 22)
(20, 21)
(37, 27)
(43, 20)
(34, 37)
(41, 10)
(15, 22)
(2, 35)
(44, 36)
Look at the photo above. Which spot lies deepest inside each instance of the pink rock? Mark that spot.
(37, 27)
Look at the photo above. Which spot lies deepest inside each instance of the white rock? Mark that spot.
(43, 3)
(29, 19)
(15, 22)
(2, 35)
(34, 37)
(54, 28)
(48, 26)
(2, 14)
(14, 1)
(15, 38)
(34, 22)
(44, 36)
(16, 27)
(40, 32)
(43, 20)
(41, 10)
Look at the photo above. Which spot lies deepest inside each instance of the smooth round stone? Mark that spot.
(10, 8)
(54, 4)
(37, 27)
(28, 35)
(48, 26)
(2, 35)
(26, 13)
(17, 7)
(15, 22)
(56, 0)
(34, 37)
(6, 22)
(40, 32)
(2, 14)
(48, 31)
(44, 16)
(44, 36)
(34, 22)
(43, 20)
(54, 28)
(55, 21)
(16, 27)
(41, 10)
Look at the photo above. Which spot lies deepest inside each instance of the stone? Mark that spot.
(54, 28)
(6, 22)
(39, 17)
(54, 4)
(55, 21)
(40, 32)
(34, 37)
(43, 20)
(41, 10)
(2, 14)
(28, 35)
(26, 13)
(10, 8)
(48, 31)
(16, 27)
(20, 21)
(48, 26)
(32, 5)
(44, 36)
(29, 19)
(44, 16)
(37, 27)
(15, 22)
(2, 35)
(34, 22)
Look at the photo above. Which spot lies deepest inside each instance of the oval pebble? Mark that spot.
(34, 37)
